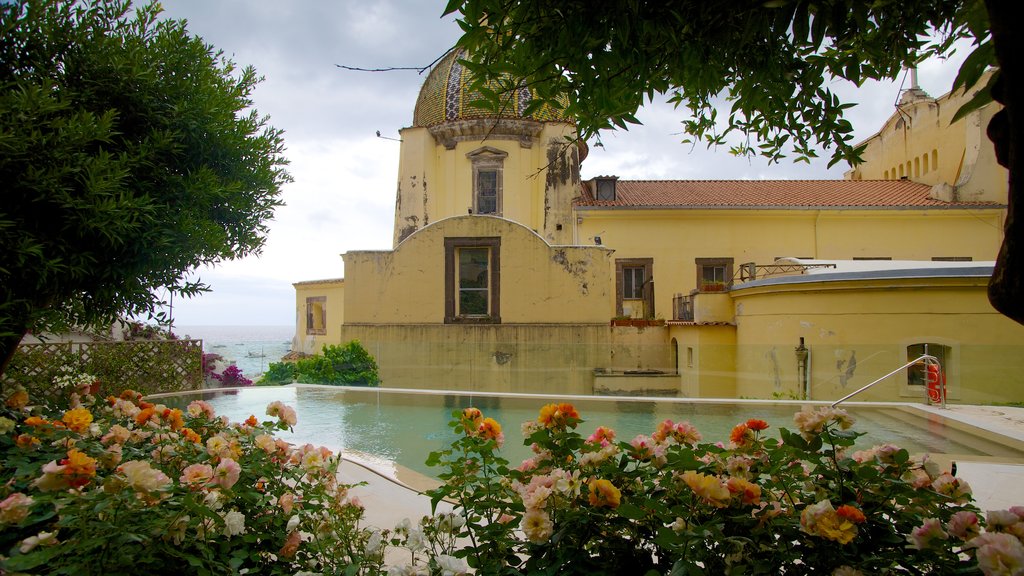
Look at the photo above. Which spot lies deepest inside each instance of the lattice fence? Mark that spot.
(146, 366)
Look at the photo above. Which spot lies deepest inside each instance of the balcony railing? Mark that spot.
(682, 308)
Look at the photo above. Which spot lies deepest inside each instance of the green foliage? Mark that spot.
(129, 156)
(771, 61)
(278, 373)
(349, 365)
(161, 489)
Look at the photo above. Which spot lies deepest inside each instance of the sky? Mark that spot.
(345, 177)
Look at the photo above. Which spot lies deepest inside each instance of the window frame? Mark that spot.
(311, 302)
(725, 263)
(647, 288)
(452, 246)
(488, 159)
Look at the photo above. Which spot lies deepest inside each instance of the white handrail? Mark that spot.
(924, 358)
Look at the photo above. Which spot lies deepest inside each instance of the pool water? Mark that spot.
(387, 427)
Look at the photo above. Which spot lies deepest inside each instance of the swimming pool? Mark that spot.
(384, 427)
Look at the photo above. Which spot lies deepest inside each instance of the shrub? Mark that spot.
(123, 486)
(803, 503)
(278, 373)
(349, 364)
(232, 376)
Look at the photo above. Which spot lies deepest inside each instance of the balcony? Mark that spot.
(682, 308)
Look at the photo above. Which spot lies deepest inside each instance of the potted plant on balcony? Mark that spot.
(713, 287)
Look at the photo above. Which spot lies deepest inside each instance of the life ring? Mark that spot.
(935, 380)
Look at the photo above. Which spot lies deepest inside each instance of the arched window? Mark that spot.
(925, 162)
(885, 175)
(917, 167)
(935, 159)
(901, 171)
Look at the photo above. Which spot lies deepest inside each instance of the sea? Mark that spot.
(251, 348)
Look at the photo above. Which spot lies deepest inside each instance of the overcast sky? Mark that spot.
(345, 176)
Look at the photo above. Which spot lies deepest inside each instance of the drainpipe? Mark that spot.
(802, 354)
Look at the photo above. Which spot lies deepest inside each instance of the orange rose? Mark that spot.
(756, 424)
(604, 494)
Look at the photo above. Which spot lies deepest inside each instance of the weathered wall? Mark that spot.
(334, 291)
(920, 143)
(858, 331)
(540, 176)
(539, 283)
(506, 358)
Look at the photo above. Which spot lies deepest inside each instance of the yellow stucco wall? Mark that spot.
(538, 180)
(919, 142)
(333, 291)
(675, 238)
(539, 283)
(858, 330)
(707, 360)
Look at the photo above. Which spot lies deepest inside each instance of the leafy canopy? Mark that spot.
(770, 60)
(129, 155)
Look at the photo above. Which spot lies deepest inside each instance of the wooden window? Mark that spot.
(316, 315)
(472, 280)
(488, 172)
(634, 284)
(487, 192)
(714, 274)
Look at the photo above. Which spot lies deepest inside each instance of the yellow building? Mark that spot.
(510, 273)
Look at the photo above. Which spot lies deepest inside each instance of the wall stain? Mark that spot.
(773, 358)
(851, 367)
(426, 214)
(502, 358)
(577, 269)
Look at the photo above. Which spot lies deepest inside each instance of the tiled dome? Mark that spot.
(445, 97)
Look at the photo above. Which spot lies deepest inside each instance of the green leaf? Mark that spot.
(627, 510)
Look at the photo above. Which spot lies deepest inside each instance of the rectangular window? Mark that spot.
(487, 192)
(316, 315)
(474, 283)
(714, 274)
(632, 282)
(952, 259)
(472, 280)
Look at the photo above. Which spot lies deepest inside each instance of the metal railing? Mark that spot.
(682, 308)
(926, 360)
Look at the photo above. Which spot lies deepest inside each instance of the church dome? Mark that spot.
(446, 97)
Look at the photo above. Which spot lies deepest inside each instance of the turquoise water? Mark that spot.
(251, 348)
(385, 426)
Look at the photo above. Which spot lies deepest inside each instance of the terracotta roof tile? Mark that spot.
(772, 194)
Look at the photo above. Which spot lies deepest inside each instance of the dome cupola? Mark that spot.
(446, 97)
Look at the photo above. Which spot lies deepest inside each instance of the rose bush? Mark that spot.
(125, 486)
(670, 503)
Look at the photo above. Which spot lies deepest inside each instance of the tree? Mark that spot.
(771, 59)
(129, 155)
